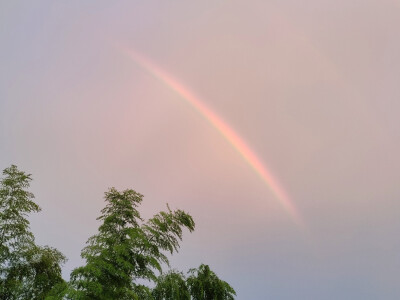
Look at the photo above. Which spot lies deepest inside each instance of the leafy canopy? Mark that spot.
(171, 286)
(27, 271)
(204, 284)
(127, 249)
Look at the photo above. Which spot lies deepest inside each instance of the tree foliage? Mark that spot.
(204, 284)
(126, 248)
(171, 286)
(27, 271)
(126, 251)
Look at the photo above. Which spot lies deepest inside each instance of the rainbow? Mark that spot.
(230, 135)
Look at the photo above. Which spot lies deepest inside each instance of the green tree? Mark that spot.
(204, 284)
(127, 249)
(27, 271)
(171, 286)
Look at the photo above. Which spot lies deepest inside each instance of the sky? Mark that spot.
(99, 94)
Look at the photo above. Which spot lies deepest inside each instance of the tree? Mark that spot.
(171, 286)
(27, 271)
(127, 249)
(204, 284)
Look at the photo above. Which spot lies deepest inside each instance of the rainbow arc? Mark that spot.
(227, 132)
